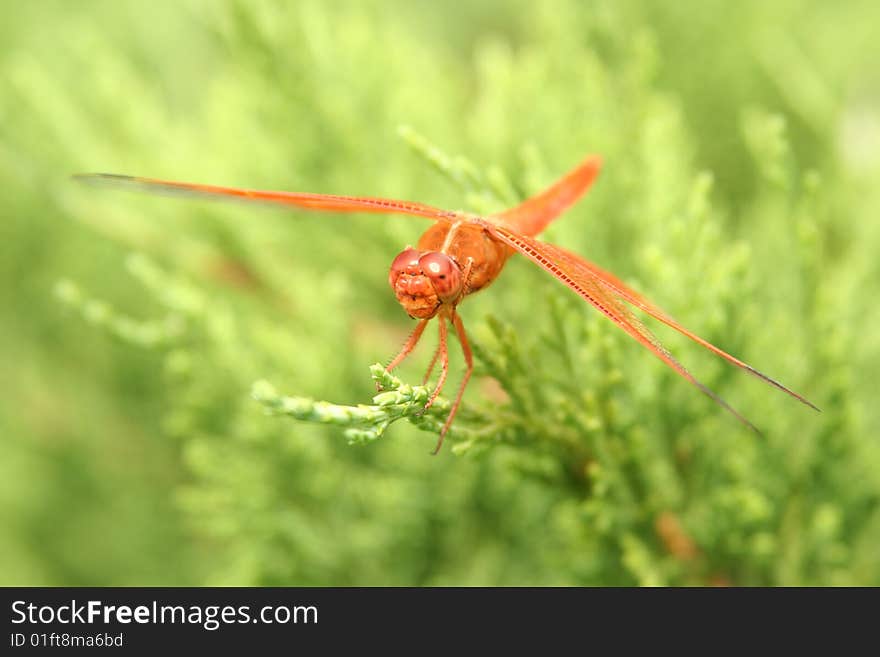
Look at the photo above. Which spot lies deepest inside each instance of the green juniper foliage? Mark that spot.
(163, 358)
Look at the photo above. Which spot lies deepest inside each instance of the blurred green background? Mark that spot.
(740, 192)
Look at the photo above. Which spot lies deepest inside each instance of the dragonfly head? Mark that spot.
(424, 281)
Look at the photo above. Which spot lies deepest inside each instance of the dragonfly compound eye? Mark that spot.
(443, 273)
(407, 262)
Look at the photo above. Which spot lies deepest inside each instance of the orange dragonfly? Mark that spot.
(462, 253)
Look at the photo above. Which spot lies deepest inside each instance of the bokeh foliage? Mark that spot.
(742, 149)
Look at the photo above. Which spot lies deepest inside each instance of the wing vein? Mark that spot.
(308, 201)
(609, 295)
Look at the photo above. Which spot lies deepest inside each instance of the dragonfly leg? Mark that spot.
(407, 348)
(469, 361)
(465, 277)
(431, 366)
(443, 352)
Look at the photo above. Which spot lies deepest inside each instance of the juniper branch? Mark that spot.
(366, 423)
(145, 333)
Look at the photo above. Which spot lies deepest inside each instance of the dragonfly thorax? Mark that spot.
(424, 280)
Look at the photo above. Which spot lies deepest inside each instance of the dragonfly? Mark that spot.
(462, 253)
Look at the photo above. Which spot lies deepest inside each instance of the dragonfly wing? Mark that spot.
(325, 202)
(617, 288)
(535, 214)
(610, 296)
